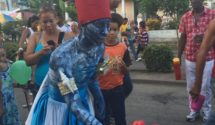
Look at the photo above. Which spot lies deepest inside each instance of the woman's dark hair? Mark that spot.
(31, 20)
(46, 9)
(117, 18)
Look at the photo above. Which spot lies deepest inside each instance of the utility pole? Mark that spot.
(8, 7)
(123, 8)
(213, 4)
(66, 13)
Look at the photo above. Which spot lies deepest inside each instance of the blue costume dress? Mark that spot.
(76, 59)
(11, 116)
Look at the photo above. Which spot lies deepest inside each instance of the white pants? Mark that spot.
(190, 68)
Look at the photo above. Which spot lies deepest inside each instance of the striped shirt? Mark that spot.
(142, 38)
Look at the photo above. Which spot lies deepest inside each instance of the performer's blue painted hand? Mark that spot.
(99, 103)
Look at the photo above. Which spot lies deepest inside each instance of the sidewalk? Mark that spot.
(139, 74)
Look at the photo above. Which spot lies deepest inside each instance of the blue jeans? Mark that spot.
(211, 120)
(132, 48)
(140, 48)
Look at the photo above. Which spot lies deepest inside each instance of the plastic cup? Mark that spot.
(177, 68)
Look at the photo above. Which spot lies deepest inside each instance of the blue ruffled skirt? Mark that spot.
(49, 108)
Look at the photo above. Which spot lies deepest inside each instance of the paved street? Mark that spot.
(165, 105)
(21, 100)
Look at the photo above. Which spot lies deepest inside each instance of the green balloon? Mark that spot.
(20, 72)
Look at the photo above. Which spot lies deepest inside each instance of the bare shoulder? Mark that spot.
(37, 34)
(35, 37)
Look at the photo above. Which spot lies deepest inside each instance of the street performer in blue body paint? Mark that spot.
(63, 98)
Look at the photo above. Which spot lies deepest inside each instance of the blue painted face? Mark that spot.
(97, 30)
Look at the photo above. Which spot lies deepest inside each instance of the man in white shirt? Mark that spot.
(63, 27)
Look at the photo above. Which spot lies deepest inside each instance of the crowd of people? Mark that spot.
(70, 60)
(44, 32)
(48, 38)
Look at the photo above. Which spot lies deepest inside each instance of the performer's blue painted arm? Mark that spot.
(99, 104)
(73, 99)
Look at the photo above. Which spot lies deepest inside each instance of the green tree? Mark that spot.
(35, 5)
(173, 8)
(149, 7)
(23, 3)
(72, 11)
(32, 5)
(12, 28)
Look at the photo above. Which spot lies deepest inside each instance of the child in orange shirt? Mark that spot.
(111, 82)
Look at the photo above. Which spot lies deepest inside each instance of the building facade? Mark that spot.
(126, 9)
(8, 5)
(212, 4)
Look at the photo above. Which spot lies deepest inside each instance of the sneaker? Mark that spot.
(205, 117)
(112, 121)
(30, 93)
(139, 59)
(25, 105)
(192, 116)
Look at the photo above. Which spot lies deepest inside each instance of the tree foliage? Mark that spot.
(173, 8)
(35, 5)
(12, 28)
(72, 11)
(150, 7)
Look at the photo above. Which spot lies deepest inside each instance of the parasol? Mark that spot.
(5, 18)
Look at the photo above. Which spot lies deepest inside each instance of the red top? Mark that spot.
(191, 28)
(90, 10)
